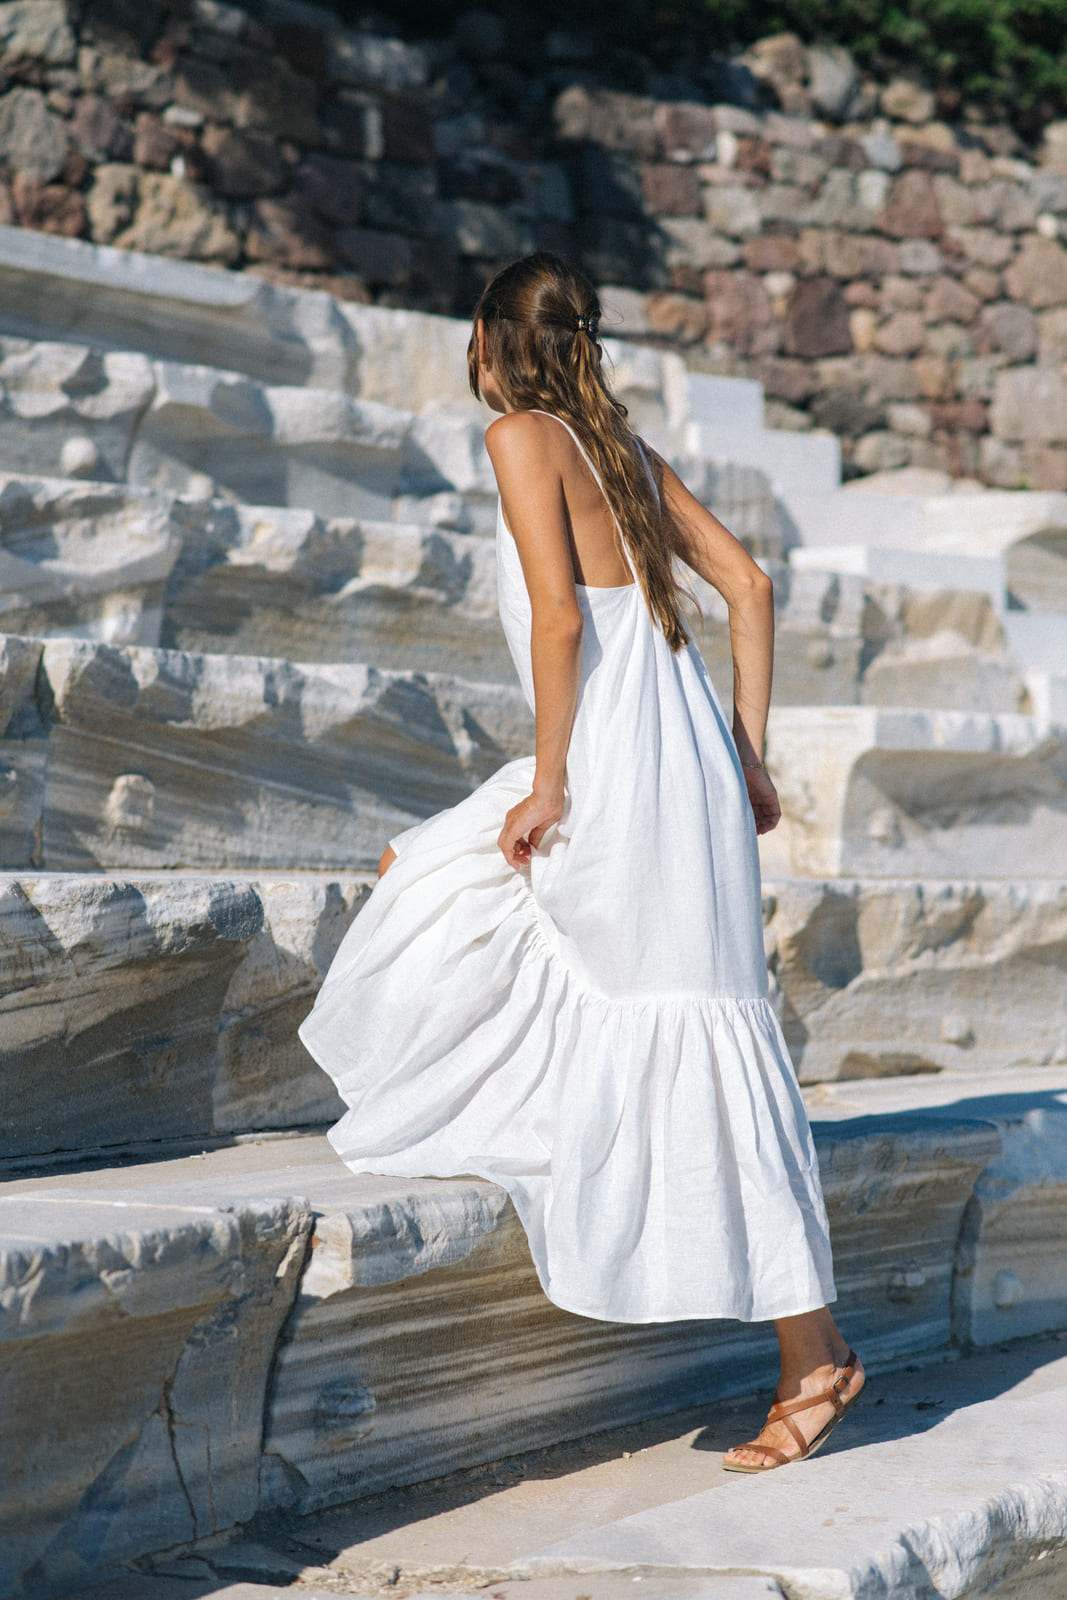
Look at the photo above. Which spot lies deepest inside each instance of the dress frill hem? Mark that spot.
(664, 1086)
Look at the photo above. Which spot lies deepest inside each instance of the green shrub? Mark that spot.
(1007, 56)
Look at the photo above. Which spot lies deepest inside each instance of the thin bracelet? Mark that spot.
(752, 766)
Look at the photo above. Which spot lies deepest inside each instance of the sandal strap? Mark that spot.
(783, 1410)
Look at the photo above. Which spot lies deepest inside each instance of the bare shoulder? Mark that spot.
(523, 437)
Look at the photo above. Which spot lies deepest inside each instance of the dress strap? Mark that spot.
(599, 482)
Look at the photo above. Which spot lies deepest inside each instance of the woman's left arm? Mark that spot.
(531, 491)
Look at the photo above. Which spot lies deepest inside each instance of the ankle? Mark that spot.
(795, 1380)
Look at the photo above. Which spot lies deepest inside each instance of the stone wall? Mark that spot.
(887, 275)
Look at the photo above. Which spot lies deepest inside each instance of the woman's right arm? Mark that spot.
(522, 448)
(710, 549)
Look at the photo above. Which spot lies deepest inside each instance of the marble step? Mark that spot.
(725, 418)
(68, 290)
(956, 1489)
(887, 792)
(377, 1306)
(166, 1005)
(139, 566)
(125, 756)
(70, 409)
(1026, 529)
(982, 1524)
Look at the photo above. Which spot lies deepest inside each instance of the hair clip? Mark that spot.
(588, 325)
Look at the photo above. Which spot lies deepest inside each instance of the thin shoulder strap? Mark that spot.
(599, 483)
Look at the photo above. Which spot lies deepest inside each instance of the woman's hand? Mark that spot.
(526, 825)
(763, 798)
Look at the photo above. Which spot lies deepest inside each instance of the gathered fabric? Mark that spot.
(592, 1031)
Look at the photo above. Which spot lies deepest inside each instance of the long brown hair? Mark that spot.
(541, 318)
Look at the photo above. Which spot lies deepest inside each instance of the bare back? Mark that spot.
(594, 543)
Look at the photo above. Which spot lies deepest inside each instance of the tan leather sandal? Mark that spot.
(786, 1410)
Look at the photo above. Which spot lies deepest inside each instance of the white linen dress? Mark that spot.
(592, 1031)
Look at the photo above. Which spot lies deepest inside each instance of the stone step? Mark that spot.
(68, 290)
(167, 1004)
(116, 415)
(891, 1511)
(137, 566)
(1026, 529)
(167, 1007)
(72, 410)
(140, 566)
(156, 759)
(955, 1488)
(919, 569)
(351, 1292)
(882, 792)
(725, 420)
(125, 756)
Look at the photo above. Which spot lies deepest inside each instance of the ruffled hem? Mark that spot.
(656, 1148)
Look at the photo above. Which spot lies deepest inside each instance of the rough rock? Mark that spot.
(739, 313)
(903, 978)
(816, 321)
(49, 207)
(1038, 275)
(37, 30)
(169, 1007)
(213, 432)
(154, 145)
(1008, 327)
(833, 81)
(290, 234)
(842, 639)
(175, 218)
(49, 392)
(949, 301)
(908, 99)
(88, 562)
(297, 767)
(33, 141)
(241, 165)
(887, 793)
(153, 1435)
(369, 58)
(208, 431)
(1030, 405)
(1037, 570)
(98, 130)
(1011, 1270)
(943, 670)
(911, 207)
(143, 567)
(293, 584)
(334, 187)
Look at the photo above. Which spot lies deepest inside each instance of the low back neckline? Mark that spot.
(597, 588)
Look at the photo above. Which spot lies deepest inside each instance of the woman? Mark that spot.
(560, 984)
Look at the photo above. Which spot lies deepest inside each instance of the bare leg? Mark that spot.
(813, 1351)
(388, 857)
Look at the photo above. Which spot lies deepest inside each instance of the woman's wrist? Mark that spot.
(548, 789)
